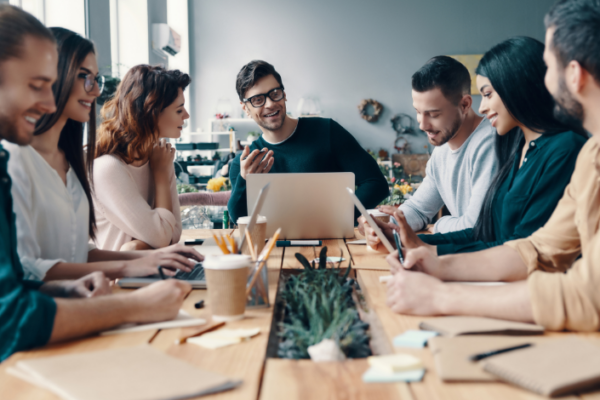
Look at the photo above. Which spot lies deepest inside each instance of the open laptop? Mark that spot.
(196, 276)
(305, 205)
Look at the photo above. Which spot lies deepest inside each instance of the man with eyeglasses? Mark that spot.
(303, 145)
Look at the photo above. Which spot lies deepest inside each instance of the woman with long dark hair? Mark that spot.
(136, 198)
(51, 191)
(536, 152)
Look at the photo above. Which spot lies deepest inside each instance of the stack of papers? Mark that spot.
(394, 368)
(223, 337)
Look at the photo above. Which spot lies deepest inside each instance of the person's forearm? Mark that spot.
(76, 318)
(112, 270)
(98, 255)
(510, 301)
(162, 194)
(500, 263)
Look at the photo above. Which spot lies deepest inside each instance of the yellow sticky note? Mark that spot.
(395, 362)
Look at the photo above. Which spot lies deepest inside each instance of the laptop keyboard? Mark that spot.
(197, 274)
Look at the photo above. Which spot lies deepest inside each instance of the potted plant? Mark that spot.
(253, 135)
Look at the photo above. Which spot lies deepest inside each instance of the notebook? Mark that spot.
(451, 354)
(554, 368)
(183, 319)
(136, 373)
(454, 326)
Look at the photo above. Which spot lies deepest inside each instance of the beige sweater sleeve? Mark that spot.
(120, 202)
(564, 292)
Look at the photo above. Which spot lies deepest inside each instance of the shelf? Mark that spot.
(210, 133)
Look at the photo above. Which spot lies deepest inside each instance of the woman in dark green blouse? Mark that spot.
(537, 153)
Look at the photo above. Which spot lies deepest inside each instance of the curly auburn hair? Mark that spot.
(130, 119)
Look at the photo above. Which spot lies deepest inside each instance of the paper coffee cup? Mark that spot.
(258, 234)
(381, 217)
(226, 278)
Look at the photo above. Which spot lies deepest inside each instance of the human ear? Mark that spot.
(244, 108)
(465, 103)
(576, 77)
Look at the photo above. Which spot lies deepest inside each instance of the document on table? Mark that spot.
(183, 319)
(124, 373)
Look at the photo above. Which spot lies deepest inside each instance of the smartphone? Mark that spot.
(194, 242)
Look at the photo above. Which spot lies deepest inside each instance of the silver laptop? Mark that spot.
(305, 206)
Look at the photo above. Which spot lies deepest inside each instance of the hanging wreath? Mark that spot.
(368, 105)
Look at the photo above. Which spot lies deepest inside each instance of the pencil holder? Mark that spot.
(259, 295)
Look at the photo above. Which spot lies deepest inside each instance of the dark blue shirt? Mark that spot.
(317, 145)
(527, 197)
(26, 315)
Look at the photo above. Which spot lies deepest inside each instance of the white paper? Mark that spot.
(359, 241)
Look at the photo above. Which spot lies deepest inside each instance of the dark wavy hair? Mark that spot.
(72, 50)
(252, 73)
(516, 71)
(445, 73)
(130, 126)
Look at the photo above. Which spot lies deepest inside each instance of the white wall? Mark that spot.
(343, 51)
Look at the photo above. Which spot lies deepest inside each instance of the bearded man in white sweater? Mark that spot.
(463, 162)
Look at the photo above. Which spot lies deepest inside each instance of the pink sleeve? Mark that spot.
(116, 193)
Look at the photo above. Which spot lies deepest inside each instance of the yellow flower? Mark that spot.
(406, 188)
(216, 184)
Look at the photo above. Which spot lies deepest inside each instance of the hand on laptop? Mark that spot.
(254, 163)
(179, 248)
(149, 264)
(159, 301)
(91, 285)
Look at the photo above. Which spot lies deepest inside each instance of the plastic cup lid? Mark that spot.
(261, 219)
(227, 261)
(376, 213)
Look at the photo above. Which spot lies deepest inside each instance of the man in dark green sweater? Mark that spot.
(295, 145)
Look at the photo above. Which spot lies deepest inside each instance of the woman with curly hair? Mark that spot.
(135, 195)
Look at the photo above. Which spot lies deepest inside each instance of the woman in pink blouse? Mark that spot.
(135, 196)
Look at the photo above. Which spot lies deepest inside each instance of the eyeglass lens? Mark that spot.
(91, 80)
(275, 95)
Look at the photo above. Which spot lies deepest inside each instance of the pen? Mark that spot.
(289, 243)
(487, 354)
(162, 274)
(199, 305)
(398, 246)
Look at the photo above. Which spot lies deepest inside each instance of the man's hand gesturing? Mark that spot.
(254, 163)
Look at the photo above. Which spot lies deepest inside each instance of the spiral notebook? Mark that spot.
(554, 368)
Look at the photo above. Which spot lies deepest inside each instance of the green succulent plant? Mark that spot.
(319, 305)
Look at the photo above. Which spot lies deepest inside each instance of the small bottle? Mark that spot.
(225, 219)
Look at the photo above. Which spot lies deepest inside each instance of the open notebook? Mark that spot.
(136, 373)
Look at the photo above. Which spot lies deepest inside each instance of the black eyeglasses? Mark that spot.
(259, 100)
(91, 80)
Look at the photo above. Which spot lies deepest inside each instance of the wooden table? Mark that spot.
(270, 379)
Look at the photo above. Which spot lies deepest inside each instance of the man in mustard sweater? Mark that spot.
(549, 285)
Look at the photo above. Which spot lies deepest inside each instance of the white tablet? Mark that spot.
(371, 222)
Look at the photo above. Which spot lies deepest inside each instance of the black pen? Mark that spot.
(199, 304)
(162, 274)
(487, 354)
(398, 246)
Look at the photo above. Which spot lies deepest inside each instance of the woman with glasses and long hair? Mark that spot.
(136, 193)
(536, 152)
(51, 191)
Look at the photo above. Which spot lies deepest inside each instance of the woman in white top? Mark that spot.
(136, 201)
(51, 192)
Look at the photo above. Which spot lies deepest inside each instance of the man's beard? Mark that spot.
(447, 134)
(9, 131)
(566, 109)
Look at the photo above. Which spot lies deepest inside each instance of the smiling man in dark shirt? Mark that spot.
(305, 145)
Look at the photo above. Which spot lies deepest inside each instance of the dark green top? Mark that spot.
(528, 196)
(317, 145)
(26, 315)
